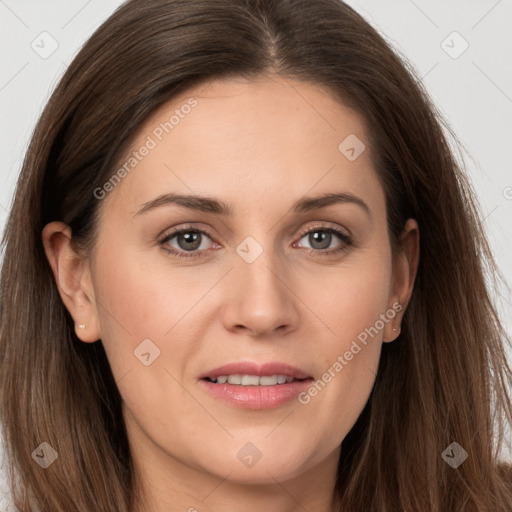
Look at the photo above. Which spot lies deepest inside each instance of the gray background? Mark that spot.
(472, 88)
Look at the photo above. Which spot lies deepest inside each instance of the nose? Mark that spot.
(261, 300)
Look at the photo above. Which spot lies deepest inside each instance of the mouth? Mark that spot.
(251, 385)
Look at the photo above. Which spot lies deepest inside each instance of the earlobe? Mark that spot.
(75, 288)
(87, 333)
(392, 332)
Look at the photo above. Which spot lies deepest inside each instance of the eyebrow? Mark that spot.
(212, 205)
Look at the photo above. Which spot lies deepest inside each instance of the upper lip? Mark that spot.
(259, 369)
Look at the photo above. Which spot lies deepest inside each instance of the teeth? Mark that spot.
(250, 380)
(269, 381)
(253, 380)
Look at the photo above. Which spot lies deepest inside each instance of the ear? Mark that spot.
(405, 267)
(73, 278)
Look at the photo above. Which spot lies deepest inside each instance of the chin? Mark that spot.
(249, 465)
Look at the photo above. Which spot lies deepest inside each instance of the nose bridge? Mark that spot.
(261, 299)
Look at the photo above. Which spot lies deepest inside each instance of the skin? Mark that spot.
(260, 146)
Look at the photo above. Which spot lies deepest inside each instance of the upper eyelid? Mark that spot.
(325, 225)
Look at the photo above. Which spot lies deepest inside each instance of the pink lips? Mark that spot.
(256, 397)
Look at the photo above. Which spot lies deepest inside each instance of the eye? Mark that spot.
(188, 240)
(193, 242)
(321, 238)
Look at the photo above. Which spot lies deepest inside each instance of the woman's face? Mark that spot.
(270, 285)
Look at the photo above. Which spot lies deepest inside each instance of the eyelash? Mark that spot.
(346, 239)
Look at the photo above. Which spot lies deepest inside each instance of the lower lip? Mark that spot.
(257, 397)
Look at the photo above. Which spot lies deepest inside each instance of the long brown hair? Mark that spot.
(446, 379)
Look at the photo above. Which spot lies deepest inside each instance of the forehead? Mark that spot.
(239, 138)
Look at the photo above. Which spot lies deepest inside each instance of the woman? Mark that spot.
(172, 336)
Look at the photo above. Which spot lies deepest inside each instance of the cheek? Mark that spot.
(140, 298)
(147, 310)
(351, 298)
(135, 303)
(351, 304)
